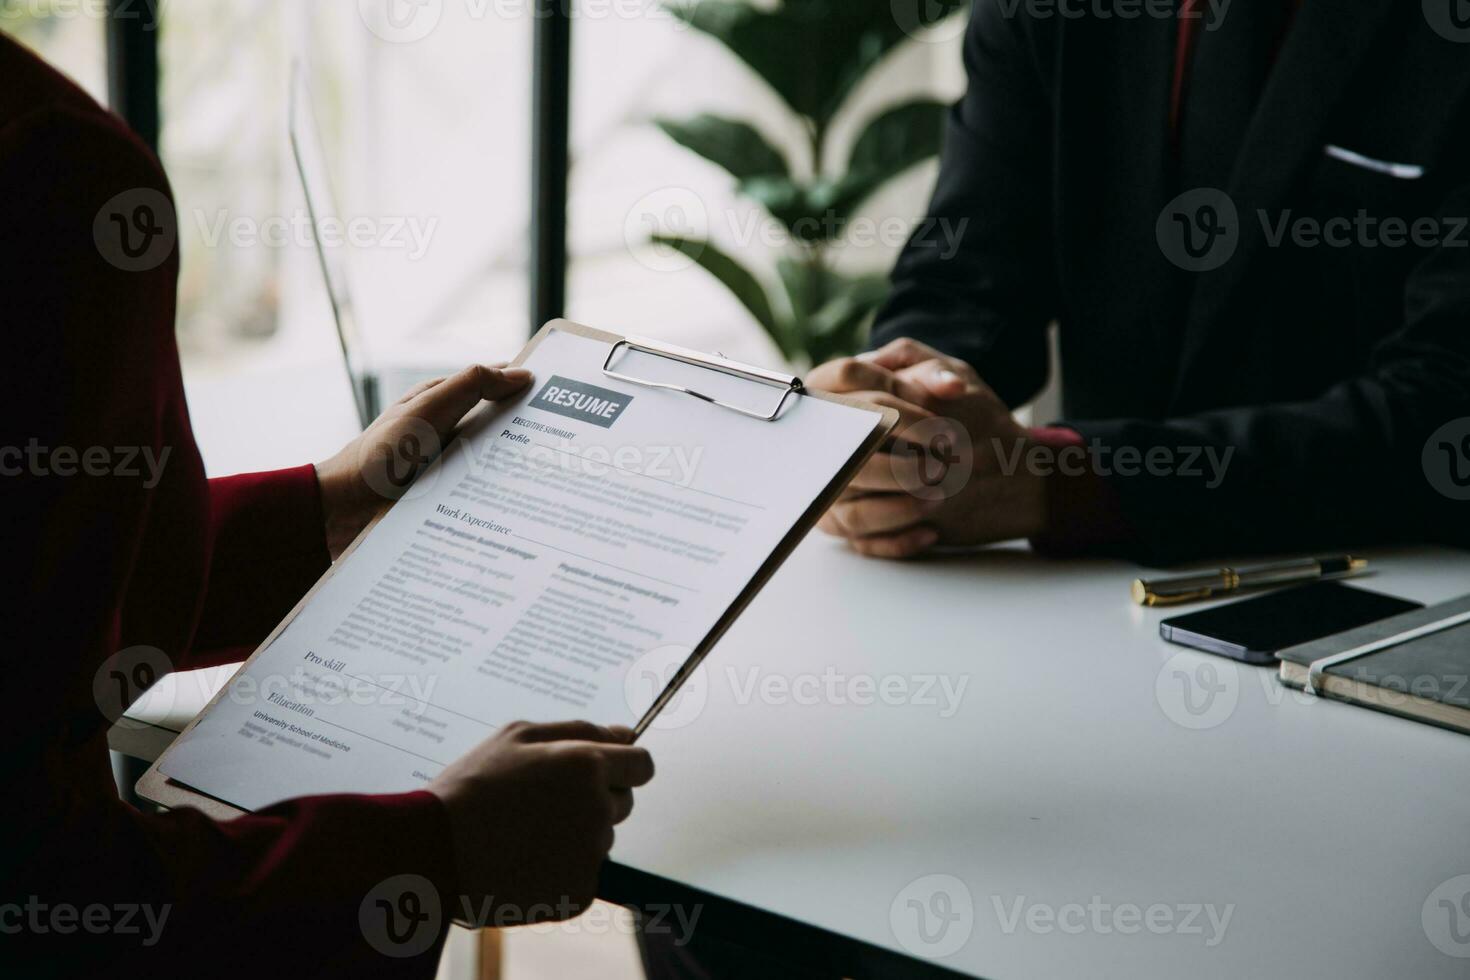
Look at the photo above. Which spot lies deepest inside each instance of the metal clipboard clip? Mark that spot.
(789, 384)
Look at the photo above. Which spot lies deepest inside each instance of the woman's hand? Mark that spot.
(532, 810)
(379, 466)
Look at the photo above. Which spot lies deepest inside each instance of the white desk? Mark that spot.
(1063, 776)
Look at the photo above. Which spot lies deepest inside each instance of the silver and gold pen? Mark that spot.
(1207, 585)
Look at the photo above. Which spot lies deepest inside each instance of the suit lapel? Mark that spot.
(1324, 48)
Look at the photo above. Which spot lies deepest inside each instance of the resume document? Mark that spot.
(562, 559)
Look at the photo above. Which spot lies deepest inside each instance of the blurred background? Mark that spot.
(739, 176)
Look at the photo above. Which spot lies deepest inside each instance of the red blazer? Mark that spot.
(103, 557)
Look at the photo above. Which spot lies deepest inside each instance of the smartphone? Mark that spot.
(1254, 630)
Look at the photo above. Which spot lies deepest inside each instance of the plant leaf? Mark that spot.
(738, 280)
(762, 39)
(804, 290)
(851, 300)
(737, 146)
(829, 310)
(836, 329)
(893, 142)
(861, 33)
(818, 211)
(789, 203)
(900, 137)
(813, 53)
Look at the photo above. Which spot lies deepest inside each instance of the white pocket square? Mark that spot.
(1403, 171)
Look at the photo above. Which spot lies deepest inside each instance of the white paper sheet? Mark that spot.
(559, 561)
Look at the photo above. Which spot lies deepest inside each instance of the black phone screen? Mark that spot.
(1253, 630)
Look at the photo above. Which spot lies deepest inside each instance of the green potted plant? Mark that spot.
(813, 54)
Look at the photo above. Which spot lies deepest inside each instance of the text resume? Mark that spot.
(560, 561)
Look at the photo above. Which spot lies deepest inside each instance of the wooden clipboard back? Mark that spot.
(158, 788)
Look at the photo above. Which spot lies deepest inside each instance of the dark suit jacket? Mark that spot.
(1324, 368)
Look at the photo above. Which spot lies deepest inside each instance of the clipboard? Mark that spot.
(158, 788)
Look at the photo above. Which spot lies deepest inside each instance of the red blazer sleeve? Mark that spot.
(292, 890)
(107, 553)
(1084, 515)
(269, 548)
